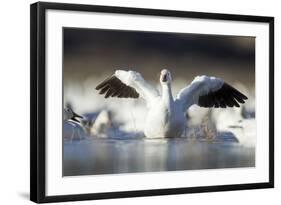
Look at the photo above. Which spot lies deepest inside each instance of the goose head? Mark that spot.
(165, 77)
(71, 115)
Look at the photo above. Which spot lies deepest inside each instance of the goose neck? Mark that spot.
(167, 95)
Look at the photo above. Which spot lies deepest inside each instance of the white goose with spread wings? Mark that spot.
(165, 116)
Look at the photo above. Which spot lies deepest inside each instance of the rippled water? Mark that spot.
(109, 156)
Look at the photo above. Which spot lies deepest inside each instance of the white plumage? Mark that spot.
(101, 123)
(75, 120)
(166, 114)
(96, 127)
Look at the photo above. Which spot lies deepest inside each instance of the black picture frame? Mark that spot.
(38, 101)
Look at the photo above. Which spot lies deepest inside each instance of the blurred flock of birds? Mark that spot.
(119, 119)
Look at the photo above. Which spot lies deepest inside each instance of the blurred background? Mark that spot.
(94, 53)
(91, 55)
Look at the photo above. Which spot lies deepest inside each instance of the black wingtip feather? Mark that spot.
(114, 87)
(103, 83)
(226, 96)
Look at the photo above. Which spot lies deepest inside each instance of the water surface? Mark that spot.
(111, 156)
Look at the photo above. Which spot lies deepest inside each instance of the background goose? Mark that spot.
(166, 114)
(91, 127)
(98, 125)
(71, 116)
(244, 129)
(74, 119)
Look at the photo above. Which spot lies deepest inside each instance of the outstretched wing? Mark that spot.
(127, 84)
(114, 87)
(210, 92)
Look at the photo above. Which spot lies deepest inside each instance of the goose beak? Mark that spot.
(75, 116)
(164, 78)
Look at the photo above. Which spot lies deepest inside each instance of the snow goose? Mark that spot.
(71, 116)
(74, 119)
(231, 120)
(166, 114)
(98, 126)
(91, 127)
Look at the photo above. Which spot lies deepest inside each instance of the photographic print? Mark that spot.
(142, 101)
(169, 102)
